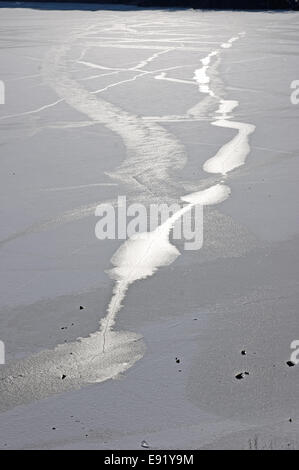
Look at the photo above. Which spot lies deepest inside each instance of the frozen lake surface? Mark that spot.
(159, 106)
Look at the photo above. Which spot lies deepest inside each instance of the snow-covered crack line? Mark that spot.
(152, 153)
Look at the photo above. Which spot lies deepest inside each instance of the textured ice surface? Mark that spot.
(160, 106)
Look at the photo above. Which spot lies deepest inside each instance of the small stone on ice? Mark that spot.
(290, 364)
(242, 375)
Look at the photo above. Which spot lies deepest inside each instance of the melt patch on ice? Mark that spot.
(214, 195)
(233, 154)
